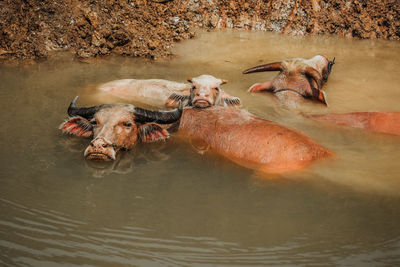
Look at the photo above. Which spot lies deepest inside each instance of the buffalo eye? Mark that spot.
(93, 122)
(127, 124)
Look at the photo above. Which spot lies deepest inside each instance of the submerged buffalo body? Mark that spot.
(153, 92)
(297, 77)
(115, 127)
(251, 141)
(381, 122)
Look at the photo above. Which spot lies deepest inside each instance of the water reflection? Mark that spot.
(127, 161)
(168, 205)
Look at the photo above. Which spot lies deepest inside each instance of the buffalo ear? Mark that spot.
(313, 74)
(78, 126)
(232, 102)
(151, 132)
(174, 99)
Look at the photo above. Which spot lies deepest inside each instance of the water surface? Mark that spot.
(164, 204)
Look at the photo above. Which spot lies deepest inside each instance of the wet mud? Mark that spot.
(35, 29)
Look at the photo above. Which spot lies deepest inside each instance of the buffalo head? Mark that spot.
(205, 92)
(304, 77)
(116, 127)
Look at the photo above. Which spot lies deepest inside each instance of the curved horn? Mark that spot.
(163, 117)
(266, 67)
(87, 113)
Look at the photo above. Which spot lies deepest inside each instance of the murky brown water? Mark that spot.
(165, 204)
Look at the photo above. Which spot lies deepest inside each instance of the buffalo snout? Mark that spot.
(100, 149)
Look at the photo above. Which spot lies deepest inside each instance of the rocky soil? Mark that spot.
(34, 29)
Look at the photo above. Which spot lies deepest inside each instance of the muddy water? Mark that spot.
(167, 205)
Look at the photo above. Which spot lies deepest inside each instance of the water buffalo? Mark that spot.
(205, 92)
(116, 127)
(381, 122)
(236, 134)
(298, 77)
(249, 140)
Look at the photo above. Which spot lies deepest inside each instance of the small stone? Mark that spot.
(175, 20)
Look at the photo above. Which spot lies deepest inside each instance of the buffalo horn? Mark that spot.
(87, 113)
(162, 117)
(266, 67)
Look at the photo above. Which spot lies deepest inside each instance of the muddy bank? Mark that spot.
(34, 29)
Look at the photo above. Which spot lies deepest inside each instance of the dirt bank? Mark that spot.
(34, 29)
